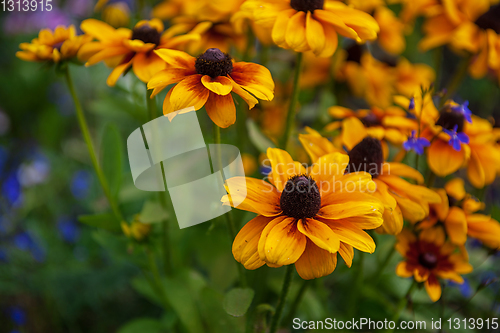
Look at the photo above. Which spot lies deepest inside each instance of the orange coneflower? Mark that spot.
(124, 48)
(429, 258)
(208, 80)
(313, 24)
(304, 217)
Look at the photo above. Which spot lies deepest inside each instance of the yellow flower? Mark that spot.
(208, 80)
(312, 25)
(57, 45)
(115, 13)
(137, 230)
(304, 216)
(400, 198)
(391, 36)
(466, 26)
(168, 9)
(428, 258)
(124, 48)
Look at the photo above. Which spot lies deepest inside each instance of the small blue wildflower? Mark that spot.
(265, 170)
(456, 139)
(465, 288)
(463, 109)
(412, 104)
(80, 184)
(11, 189)
(25, 242)
(17, 315)
(416, 144)
(68, 229)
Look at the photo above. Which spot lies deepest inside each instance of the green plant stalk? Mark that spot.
(298, 299)
(90, 146)
(384, 264)
(156, 278)
(402, 304)
(290, 118)
(282, 300)
(228, 216)
(358, 283)
(456, 80)
(163, 195)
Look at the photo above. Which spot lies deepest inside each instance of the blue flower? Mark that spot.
(68, 229)
(25, 242)
(412, 104)
(3, 256)
(463, 109)
(456, 139)
(80, 184)
(465, 288)
(17, 315)
(11, 189)
(416, 144)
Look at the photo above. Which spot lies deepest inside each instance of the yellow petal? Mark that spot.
(314, 34)
(347, 253)
(285, 243)
(189, 92)
(320, 234)
(456, 226)
(283, 167)
(353, 236)
(433, 288)
(220, 85)
(403, 271)
(245, 244)
(315, 262)
(443, 159)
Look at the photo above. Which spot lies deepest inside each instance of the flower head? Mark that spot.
(124, 48)
(456, 139)
(53, 46)
(305, 216)
(208, 80)
(429, 258)
(303, 25)
(416, 144)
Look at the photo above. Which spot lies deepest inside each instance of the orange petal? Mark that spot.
(145, 65)
(353, 131)
(247, 97)
(245, 244)
(254, 78)
(433, 288)
(347, 253)
(283, 167)
(443, 159)
(221, 109)
(176, 58)
(315, 262)
(433, 235)
(116, 73)
(320, 234)
(403, 271)
(295, 35)
(285, 243)
(189, 92)
(253, 195)
(353, 236)
(456, 226)
(220, 85)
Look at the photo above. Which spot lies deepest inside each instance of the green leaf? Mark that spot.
(238, 300)
(153, 212)
(260, 141)
(112, 154)
(105, 221)
(142, 325)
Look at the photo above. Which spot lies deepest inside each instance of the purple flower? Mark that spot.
(465, 288)
(456, 139)
(463, 109)
(80, 184)
(17, 315)
(11, 189)
(25, 242)
(68, 229)
(412, 104)
(416, 144)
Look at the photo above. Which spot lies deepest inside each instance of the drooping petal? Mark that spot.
(315, 262)
(285, 243)
(295, 36)
(352, 235)
(247, 97)
(189, 92)
(320, 234)
(443, 159)
(456, 226)
(116, 73)
(147, 65)
(245, 244)
(433, 288)
(254, 78)
(403, 270)
(177, 59)
(346, 251)
(221, 109)
(220, 85)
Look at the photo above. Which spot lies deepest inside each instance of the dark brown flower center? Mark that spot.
(490, 19)
(370, 120)
(214, 63)
(307, 5)
(448, 119)
(300, 197)
(366, 156)
(147, 34)
(428, 259)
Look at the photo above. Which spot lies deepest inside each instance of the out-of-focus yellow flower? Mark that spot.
(400, 198)
(124, 48)
(472, 27)
(137, 230)
(368, 6)
(414, 8)
(428, 258)
(391, 36)
(115, 13)
(410, 78)
(168, 9)
(249, 163)
(243, 19)
(304, 216)
(53, 46)
(312, 25)
(208, 80)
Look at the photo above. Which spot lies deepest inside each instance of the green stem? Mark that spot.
(431, 179)
(151, 103)
(456, 80)
(382, 267)
(293, 103)
(298, 299)
(402, 304)
(228, 216)
(358, 284)
(282, 300)
(156, 277)
(90, 146)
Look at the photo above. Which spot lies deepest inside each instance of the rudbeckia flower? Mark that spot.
(114, 12)
(208, 80)
(53, 46)
(304, 216)
(391, 36)
(124, 48)
(312, 25)
(428, 259)
(400, 197)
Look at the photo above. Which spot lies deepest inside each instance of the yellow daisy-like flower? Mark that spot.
(57, 45)
(303, 25)
(429, 258)
(115, 13)
(304, 216)
(208, 80)
(391, 36)
(124, 48)
(400, 197)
